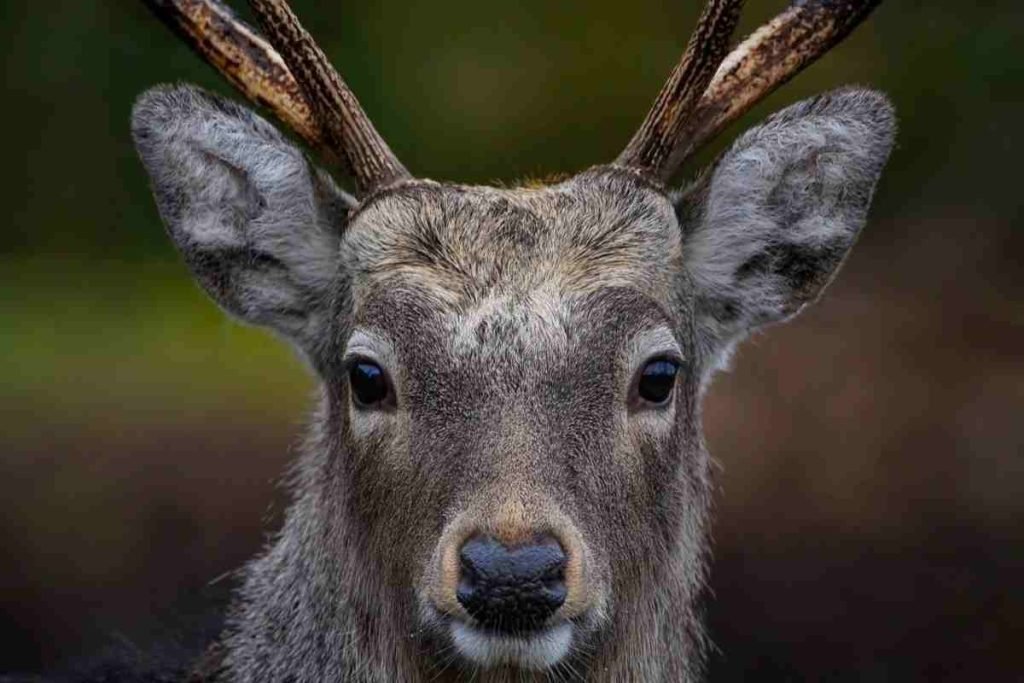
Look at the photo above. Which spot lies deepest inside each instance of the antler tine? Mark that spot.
(343, 121)
(771, 56)
(654, 141)
(290, 76)
(245, 58)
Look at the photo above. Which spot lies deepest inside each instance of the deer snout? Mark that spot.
(512, 571)
(512, 589)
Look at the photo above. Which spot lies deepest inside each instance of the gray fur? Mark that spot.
(256, 222)
(779, 212)
(513, 323)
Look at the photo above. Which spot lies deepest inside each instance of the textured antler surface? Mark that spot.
(291, 77)
(686, 115)
(771, 56)
(654, 141)
(244, 57)
(368, 157)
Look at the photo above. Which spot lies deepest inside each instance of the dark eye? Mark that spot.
(369, 385)
(657, 379)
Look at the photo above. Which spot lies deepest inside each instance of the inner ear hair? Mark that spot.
(767, 226)
(257, 223)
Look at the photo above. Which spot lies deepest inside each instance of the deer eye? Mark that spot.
(657, 379)
(369, 384)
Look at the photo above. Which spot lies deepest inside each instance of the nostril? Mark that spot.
(512, 589)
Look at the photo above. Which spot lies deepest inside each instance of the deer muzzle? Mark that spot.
(513, 587)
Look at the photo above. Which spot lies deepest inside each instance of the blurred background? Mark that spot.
(870, 512)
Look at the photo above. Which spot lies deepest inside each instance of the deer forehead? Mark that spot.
(472, 251)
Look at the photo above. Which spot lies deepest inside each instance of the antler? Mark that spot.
(344, 122)
(768, 58)
(654, 141)
(291, 77)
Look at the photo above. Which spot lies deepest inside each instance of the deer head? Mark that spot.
(506, 475)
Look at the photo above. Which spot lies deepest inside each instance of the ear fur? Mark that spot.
(768, 227)
(256, 222)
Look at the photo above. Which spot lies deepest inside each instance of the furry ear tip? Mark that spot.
(864, 105)
(155, 112)
(853, 99)
(156, 103)
(157, 108)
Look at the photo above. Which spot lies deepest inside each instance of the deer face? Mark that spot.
(518, 371)
(507, 471)
(512, 467)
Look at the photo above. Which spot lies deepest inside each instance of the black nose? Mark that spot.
(512, 589)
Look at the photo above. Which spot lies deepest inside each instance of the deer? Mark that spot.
(505, 476)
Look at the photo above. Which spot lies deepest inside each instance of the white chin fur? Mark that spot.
(538, 651)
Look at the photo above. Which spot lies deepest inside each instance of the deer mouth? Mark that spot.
(476, 644)
(536, 649)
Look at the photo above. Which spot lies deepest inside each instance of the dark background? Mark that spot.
(869, 522)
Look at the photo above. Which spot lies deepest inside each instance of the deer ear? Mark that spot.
(767, 228)
(258, 225)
